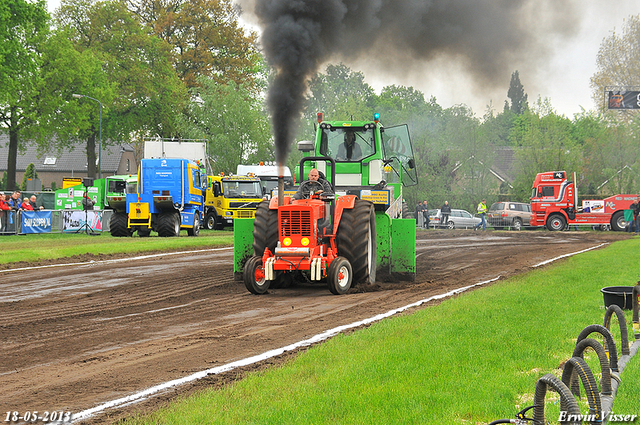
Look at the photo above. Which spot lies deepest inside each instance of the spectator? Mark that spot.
(4, 212)
(425, 215)
(445, 211)
(14, 201)
(418, 212)
(33, 203)
(87, 203)
(635, 206)
(482, 210)
(313, 185)
(26, 205)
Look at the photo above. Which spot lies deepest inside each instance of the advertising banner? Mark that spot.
(79, 221)
(622, 99)
(36, 221)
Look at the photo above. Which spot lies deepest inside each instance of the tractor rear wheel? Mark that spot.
(253, 276)
(265, 229)
(339, 276)
(169, 224)
(356, 240)
(118, 225)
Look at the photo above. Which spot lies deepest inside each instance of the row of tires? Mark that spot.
(356, 245)
(167, 225)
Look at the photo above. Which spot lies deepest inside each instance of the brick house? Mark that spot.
(71, 162)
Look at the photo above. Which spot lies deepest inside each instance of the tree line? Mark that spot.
(188, 70)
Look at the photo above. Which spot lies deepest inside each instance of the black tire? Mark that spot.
(356, 240)
(405, 211)
(451, 225)
(568, 402)
(253, 276)
(609, 343)
(556, 222)
(576, 367)
(195, 230)
(517, 224)
(265, 229)
(144, 232)
(210, 221)
(118, 225)
(169, 224)
(339, 276)
(617, 221)
(605, 380)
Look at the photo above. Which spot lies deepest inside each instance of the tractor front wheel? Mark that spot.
(339, 276)
(356, 240)
(253, 276)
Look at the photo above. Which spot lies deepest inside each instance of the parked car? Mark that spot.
(509, 214)
(458, 219)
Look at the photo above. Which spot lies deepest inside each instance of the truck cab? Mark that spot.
(169, 197)
(230, 197)
(372, 161)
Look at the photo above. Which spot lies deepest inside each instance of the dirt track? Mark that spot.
(76, 336)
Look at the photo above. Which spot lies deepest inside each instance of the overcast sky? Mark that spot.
(563, 76)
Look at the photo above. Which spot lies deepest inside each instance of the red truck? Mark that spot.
(554, 204)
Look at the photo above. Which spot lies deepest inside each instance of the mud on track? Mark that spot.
(76, 336)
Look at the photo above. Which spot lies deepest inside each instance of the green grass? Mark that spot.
(50, 246)
(470, 359)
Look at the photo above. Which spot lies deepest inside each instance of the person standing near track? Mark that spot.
(482, 210)
(445, 211)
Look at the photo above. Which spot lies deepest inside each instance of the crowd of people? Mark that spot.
(15, 203)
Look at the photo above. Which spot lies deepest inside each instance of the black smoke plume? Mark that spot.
(483, 37)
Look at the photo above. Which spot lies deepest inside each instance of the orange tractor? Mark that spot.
(323, 238)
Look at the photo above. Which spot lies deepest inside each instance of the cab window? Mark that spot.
(347, 144)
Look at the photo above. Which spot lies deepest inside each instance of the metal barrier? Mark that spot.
(502, 223)
(54, 221)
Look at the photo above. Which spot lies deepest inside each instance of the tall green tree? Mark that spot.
(546, 143)
(617, 61)
(340, 93)
(519, 103)
(65, 120)
(146, 94)
(233, 122)
(24, 25)
(29, 173)
(206, 40)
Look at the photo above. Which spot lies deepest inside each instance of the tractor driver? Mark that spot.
(349, 150)
(314, 185)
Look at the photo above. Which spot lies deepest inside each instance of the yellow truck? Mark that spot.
(230, 197)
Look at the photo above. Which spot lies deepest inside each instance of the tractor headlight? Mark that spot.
(286, 241)
(304, 241)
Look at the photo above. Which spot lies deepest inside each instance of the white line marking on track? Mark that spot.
(142, 395)
(117, 260)
(569, 255)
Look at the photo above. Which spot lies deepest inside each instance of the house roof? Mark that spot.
(503, 162)
(69, 159)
